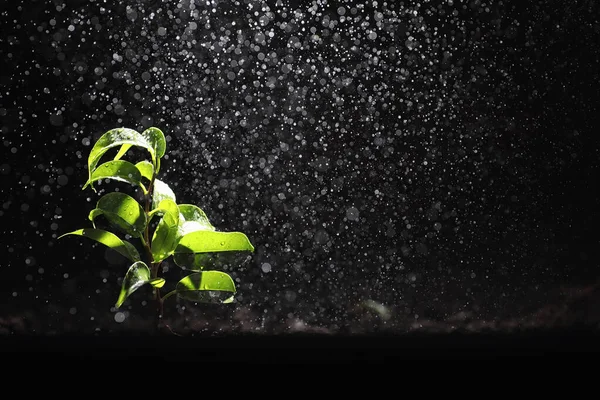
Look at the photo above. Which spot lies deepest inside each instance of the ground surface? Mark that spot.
(554, 308)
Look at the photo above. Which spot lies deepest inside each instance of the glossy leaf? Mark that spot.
(165, 206)
(203, 261)
(137, 276)
(166, 236)
(119, 137)
(201, 250)
(122, 211)
(118, 170)
(157, 282)
(206, 287)
(124, 148)
(213, 241)
(161, 192)
(132, 250)
(193, 219)
(108, 239)
(169, 206)
(146, 169)
(93, 214)
(156, 138)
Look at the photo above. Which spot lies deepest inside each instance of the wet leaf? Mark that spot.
(193, 219)
(209, 249)
(156, 138)
(93, 214)
(166, 235)
(169, 206)
(123, 211)
(146, 169)
(213, 241)
(119, 170)
(108, 239)
(203, 261)
(137, 275)
(132, 250)
(161, 192)
(124, 136)
(157, 282)
(206, 287)
(124, 148)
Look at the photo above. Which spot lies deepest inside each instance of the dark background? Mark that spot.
(433, 158)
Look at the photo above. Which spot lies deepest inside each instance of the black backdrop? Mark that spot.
(421, 153)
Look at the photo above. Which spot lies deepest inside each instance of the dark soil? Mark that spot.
(572, 307)
(568, 324)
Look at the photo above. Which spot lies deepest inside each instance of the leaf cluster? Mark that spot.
(163, 227)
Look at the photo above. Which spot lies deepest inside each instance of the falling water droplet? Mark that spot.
(119, 317)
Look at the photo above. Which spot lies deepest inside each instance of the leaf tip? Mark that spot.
(120, 300)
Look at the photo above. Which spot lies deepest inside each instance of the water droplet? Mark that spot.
(266, 267)
(352, 214)
(119, 317)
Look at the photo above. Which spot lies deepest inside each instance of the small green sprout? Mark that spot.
(183, 231)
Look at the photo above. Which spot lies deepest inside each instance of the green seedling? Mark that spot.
(162, 227)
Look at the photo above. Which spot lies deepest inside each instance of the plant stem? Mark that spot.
(154, 269)
(147, 230)
(155, 266)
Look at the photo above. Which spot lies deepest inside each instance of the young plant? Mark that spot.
(163, 227)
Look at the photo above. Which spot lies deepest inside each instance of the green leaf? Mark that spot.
(166, 235)
(157, 282)
(124, 148)
(146, 169)
(161, 192)
(137, 276)
(93, 214)
(209, 249)
(123, 211)
(108, 239)
(206, 287)
(203, 261)
(133, 251)
(169, 206)
(163, 207)
(212, 241)
(156, 138)
(118, 170)
(193, 219)
(152, 139)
